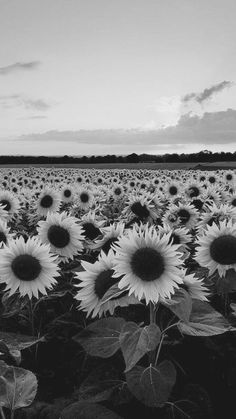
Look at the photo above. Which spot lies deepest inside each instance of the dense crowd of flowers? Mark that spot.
(121, 264)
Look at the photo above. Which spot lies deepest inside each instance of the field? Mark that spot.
(118, 291)
(110, 166)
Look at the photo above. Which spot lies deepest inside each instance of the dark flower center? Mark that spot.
(58, 236)
(117, 191)
(223, 250)
(91, 231)
(197, 203)
(26, 267)
(67, 193)
(173, 190)
(46, 201)
(147, 264)
(233, 202)
(107, 245)
(3, 237)
(103, 282)
(140, 210)
(229, 176)
(193, 192)
(212, 179)
(84, 197)
(6, 203)
(184, 216)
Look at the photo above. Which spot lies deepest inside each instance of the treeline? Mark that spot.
(203, 156)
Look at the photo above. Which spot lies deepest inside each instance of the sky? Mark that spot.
(94, 77)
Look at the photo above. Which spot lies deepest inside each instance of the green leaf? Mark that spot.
(112, 293)
(136, 341)
(153, 385)
(18, 387)
(84, 410)
(100, 384)
(180, 304)
(204, 321)
(16, 341)
(101, 338)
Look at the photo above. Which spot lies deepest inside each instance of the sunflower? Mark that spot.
(10, 203)
(3, 213)
(215, 214)
(67, 193)
(84, 199)
(194, 286)
(5, 235)
(182, 215)
(63, 234)
(91, 226)
(28, 267)
(117, 192)
(111, 235)
(96, 279)
(140, 207)
(172, 189)
(216, 248)
(48, 201)
(148, 264)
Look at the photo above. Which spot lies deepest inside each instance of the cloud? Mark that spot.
(207, 93)
(39, 104)
(210, 129)
(12, 68)
(17, 100)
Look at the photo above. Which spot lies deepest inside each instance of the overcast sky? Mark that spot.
(117, 76)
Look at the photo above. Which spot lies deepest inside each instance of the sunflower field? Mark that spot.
(118, 293)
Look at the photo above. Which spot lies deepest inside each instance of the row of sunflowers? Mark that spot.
(107, 278)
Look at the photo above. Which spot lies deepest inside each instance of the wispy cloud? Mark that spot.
(18, 100)
(207, 93)
(38, 104)
(19, 66)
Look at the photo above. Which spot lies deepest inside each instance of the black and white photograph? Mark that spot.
(117, 209)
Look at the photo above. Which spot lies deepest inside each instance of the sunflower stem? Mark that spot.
(2, 413)
(159, 348)
(152, 312)
(152, 319)
(31, 316)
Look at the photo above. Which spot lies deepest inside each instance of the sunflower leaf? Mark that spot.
(136, 341)
(86, 410)
(100, 384)
(204, 321)
(18, 387)
(180, 304)
(101, 338)
(17, 341)
(153, 385)
(112, 293)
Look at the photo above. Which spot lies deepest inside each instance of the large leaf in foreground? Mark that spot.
(136, 341)
(152, 385)
(18, 387)
(204, 321)
(101, 338)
